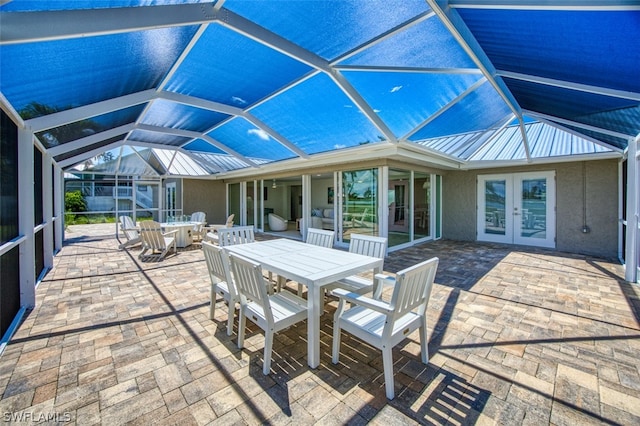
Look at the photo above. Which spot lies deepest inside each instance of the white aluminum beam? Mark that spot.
(571, 86)
(27, 27)
(90, 140)
(415, 70)
(61, 118)
(632, 249)
(602, 5)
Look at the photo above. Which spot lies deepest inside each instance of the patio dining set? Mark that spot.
(253, 275)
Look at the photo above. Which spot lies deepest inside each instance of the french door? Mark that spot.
(517, 208)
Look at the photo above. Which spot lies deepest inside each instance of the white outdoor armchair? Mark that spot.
(384, 325)
(277, 223)
(236, 235)
(367, 245)
(211, 231)
(317, 237)
(130, 231)
(271, 312)
(200, 220)
(154, 240)
(221, 281)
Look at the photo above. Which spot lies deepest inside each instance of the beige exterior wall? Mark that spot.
(601, 177)
(207, 196)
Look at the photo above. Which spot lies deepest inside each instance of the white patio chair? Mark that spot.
(367, 245)
(359, 219)
(236, 235)
(200, 220)
(155, 240)
(130, 231)
(221, 281)
(211, 231)
(271, 312)
(384, 325)
(317, 237)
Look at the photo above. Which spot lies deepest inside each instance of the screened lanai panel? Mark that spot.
(68, 73)
(426, 44)
(165, 113)
(481, 109)
(337, 26)
(216, 162)
(157, 138)
(250, 141)
(88, 148)
(177, 163)
(317, 116)
(226, 67)
(599, 48)
(35, 5)
(80, 129)
(203, 146)
(582, 107)
(405, 99)
(131, 164)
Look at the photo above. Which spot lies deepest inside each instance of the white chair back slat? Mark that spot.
(320, 237)
(236, 235)
(368, 245)
(413, 288)
(250, 283)
(218, 266)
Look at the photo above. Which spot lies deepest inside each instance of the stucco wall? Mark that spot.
(208, 196)
(460, 199)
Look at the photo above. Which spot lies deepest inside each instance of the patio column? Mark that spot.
(306, 205)
(26, 220)
(633, 224)
(58, 206)
(47, 186)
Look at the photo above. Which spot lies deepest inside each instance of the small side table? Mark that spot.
(298, 220)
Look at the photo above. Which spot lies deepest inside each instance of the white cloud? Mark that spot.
(339, 146)
(259, 133)
(238, 100)
(395, 89)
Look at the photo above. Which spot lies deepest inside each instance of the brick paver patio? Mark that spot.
(517, 336)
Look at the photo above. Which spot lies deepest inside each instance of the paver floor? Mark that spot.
(516, 336)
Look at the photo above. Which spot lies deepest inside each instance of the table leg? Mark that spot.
(314, 305)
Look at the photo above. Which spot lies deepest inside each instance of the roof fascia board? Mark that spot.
(71, 161)
(555, 119)
(61, 118)
(27, 27)
(550, 121)
(602, 5)
(458, 29)
(369, 68)
(90, 140)
(445, 108)
(483, 164)
(569, 85)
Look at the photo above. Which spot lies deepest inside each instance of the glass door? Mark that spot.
(517, 208)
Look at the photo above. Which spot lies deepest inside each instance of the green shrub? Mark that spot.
(74, 202)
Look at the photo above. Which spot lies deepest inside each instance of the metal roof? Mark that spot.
(209, 87)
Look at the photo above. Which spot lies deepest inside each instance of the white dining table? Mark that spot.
(312, 266)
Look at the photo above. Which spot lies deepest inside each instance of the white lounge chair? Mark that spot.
(384, 325)
(221, 281)
(130, 231)
(367, 245)
(154, 240)
(277, 223)
(271, 312)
